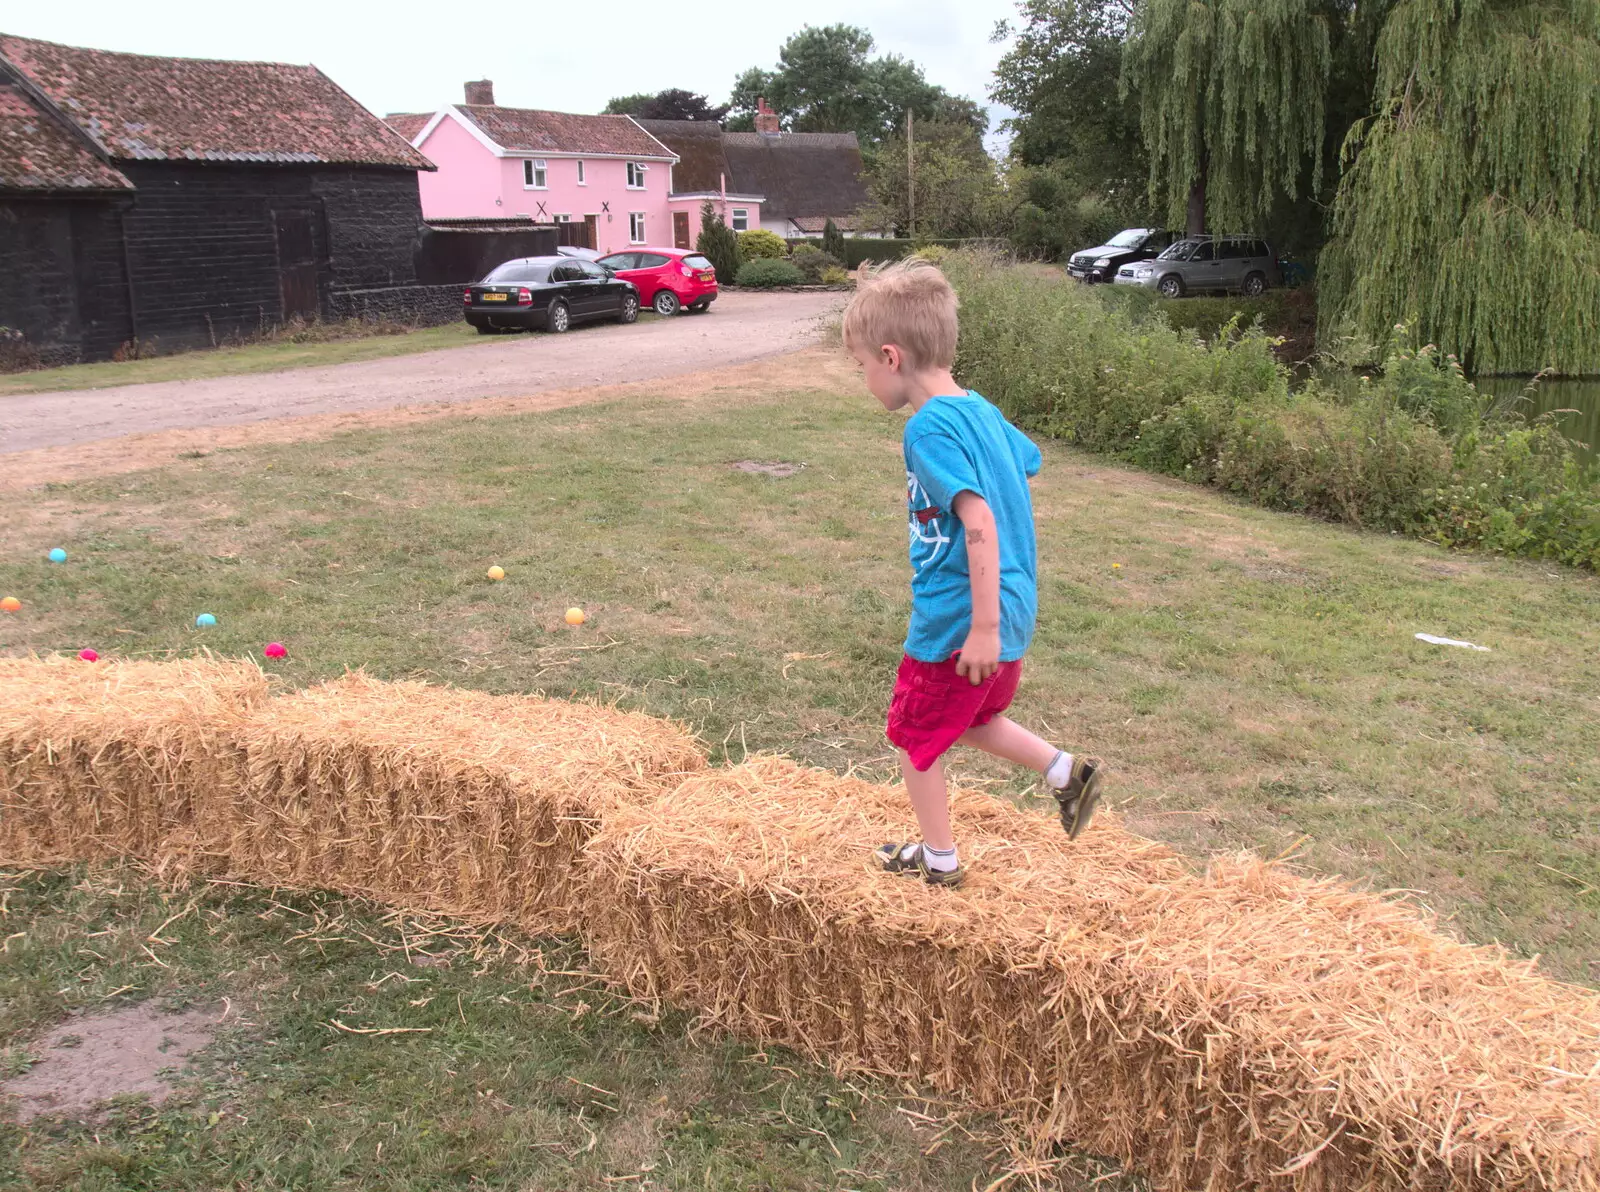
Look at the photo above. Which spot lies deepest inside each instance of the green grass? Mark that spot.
(1251, 678)
(229, 362)
(518, 1071)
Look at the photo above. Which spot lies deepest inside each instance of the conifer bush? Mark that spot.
(719, 244)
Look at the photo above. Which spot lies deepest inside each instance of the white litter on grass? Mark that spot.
(1449, 641)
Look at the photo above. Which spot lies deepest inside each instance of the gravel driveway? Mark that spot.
(739, 328)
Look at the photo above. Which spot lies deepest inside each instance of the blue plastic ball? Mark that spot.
(204, 621)
(58, 555)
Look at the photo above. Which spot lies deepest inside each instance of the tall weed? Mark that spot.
(1414, 448)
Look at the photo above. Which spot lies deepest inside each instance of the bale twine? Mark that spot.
(1242, 1028)
(103, 760)
(453, 801)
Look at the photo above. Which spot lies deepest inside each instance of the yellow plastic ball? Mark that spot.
(496, 573)
(575, 616)
(11, 604)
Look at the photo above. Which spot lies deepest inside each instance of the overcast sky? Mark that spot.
(402, 56)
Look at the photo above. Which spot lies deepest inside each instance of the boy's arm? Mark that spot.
(980, 654)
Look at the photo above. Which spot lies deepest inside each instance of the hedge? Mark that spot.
(859, 250)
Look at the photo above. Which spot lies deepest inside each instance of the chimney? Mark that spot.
(481, 92)
(766, 119)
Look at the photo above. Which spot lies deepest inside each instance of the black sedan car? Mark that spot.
(548, 292)
(1127, 246)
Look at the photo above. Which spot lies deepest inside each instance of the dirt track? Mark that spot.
(739, 328)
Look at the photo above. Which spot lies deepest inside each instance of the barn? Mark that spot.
(178, 203)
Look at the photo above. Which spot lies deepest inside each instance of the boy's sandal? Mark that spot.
(891, 859)
(1080, 797)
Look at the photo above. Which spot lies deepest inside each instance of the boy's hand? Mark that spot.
(980, 655)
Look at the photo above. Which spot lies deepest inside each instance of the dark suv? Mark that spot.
(1127, 246)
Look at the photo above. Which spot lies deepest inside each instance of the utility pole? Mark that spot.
(911, 174)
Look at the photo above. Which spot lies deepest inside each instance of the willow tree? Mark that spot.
(1231, 103)
(1471, 202)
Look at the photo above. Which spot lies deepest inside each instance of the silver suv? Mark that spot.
(1197, 264)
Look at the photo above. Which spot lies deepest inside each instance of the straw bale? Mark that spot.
(452, 801)
(1233, 1029)
(103, 760)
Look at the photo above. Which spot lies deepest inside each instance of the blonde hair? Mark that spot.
(910, 304)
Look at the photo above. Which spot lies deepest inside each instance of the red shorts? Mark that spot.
(933, 705)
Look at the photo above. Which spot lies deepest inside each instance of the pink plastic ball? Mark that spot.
(88, 656)
(275, 650)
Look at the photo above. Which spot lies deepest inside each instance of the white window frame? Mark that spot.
(562, 218)
(581, 180)
(636, 169)
(535, 174)
(636, 231)
(741, 219)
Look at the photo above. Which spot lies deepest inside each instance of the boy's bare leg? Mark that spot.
(931, 802)
(1008, 739)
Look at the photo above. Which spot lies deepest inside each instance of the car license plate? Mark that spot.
(494, 297)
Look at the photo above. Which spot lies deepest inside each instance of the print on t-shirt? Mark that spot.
(926, 523)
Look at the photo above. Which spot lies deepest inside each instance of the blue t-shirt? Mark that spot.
(964, 444)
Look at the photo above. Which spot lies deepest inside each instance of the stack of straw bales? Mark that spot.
(97, 761)
(448, 800)
(1239, 1029)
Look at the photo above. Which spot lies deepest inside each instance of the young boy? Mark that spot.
(973, 562)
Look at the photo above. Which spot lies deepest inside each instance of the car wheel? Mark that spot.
(630, 309)
(666, 302)
(559, 318)
(1255, 285)
(1171, 286)
(699, 308)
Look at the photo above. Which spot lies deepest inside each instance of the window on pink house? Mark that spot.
(533, 174)
(636, 227)
(581, 181)
(636, 171)
(741, 219)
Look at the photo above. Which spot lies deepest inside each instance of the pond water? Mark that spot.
(1581, 395)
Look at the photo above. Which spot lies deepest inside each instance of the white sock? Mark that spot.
(1059, 772)
(940, 860)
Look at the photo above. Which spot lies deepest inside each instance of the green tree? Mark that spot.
(671, 104)
(718, 243)
(1472, 199)
(956, 186)
(1232, 103)
(1061, 76)
(827, 80)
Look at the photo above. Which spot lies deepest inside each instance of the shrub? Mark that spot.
(835, 275)
(718, 243)
(937, 253)
(813, 262)
(16, 353)
(1412, 449)
(765, 273)
(832, 239)
(759, 244)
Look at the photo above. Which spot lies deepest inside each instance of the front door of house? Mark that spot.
(680, 229)
(591, 222)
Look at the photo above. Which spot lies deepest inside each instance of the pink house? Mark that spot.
(606, 173)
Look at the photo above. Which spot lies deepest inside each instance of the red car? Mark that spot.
(668, 278)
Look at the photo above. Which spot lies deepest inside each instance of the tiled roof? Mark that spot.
(37, 153)
(800, 173)
(701, 167)
(815, 225)
(528, 130)
(138, 107)
(408, 124)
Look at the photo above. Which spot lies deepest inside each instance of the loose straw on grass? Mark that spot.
(1241, 1028)
(106, 759)
(441, 799)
